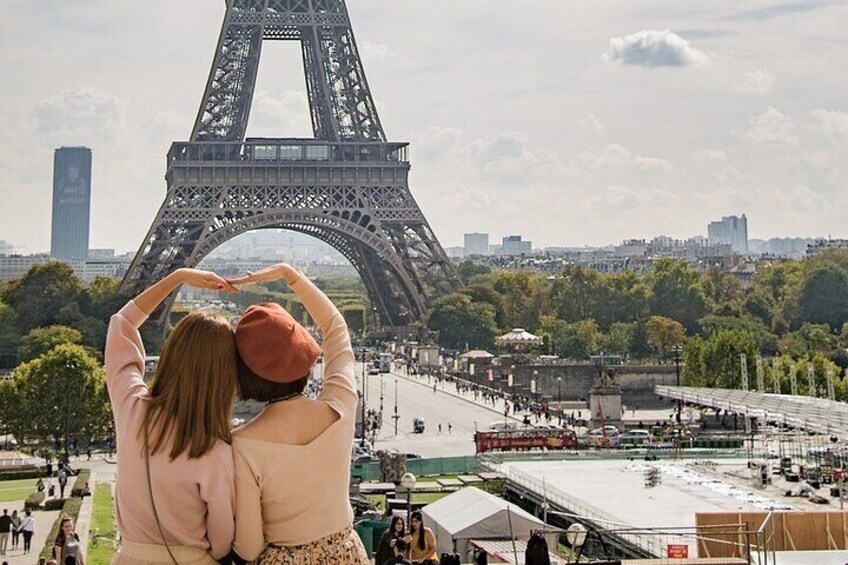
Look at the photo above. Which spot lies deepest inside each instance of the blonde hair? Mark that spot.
(192, 393)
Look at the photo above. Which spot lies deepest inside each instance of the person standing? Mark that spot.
(16, 529)
(175, 492)
(27, 529)
(66, 547)
(5, 530)
(422, 543)
(292, 461)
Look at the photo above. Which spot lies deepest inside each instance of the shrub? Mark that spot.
(83, 476)
(33, 501)
(54, 504)
(22, 474)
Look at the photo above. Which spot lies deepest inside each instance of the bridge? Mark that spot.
(817, 415)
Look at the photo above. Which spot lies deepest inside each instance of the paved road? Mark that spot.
(415, 398)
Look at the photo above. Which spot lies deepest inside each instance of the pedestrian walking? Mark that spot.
(16, 529)
(66, 547)
(5, 530)
(292, 461)
(175, 491)
(450, 427)
(440, 428)
(62, 475)
(27, 529)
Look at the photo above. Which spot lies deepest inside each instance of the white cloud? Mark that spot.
(655, 48)
(80, 116)
(833, 122)
(591, 122)
(286, 115)
(617, 156)
(772, 128)
(373, 51)
(710, 155)
(757, 82)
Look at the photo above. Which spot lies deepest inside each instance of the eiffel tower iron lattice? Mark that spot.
(347, 187)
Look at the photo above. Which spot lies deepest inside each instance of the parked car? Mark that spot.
(418, 425)
(609, 431)
(635, 437)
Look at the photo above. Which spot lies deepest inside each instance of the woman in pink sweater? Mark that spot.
(175, 494)
(292, 461)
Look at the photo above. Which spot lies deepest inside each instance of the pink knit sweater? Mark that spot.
(195, 498)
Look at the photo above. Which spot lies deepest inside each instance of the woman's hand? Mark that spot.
(273, 273)
(205, 279)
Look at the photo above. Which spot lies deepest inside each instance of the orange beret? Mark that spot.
(273, 345)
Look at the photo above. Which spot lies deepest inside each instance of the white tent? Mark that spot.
(471, 513)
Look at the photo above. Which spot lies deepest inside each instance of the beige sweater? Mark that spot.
(295, 494)
(194, 497)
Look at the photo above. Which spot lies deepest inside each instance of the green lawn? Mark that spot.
(100, 549)
(16, 490)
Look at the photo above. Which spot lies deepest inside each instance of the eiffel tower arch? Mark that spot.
(347, 186)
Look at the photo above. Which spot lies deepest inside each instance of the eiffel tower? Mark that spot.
(347, 187)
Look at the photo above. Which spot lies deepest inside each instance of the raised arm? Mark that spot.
(124, 354)
(339, 385)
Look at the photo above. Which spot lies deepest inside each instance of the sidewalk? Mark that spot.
(43, 523)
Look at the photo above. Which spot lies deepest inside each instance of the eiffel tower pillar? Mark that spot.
(348, 186)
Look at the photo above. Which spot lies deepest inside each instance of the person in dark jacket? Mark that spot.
(396, 531)
(537, 550)
(398, 548)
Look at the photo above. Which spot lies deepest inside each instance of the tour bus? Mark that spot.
(525, 439)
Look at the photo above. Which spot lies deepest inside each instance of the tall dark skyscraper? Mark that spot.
(71, 203)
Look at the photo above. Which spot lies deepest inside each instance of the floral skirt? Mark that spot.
(340, 548)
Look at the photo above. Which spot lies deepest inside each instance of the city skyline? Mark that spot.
(603, 127)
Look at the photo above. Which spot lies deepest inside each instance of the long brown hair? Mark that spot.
(191, 396)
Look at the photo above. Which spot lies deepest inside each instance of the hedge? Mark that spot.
(22, 474)
(33, 501)
(70, 509)
(84, 476)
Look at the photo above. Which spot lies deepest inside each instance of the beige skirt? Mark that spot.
(340, 548)
(134, 553)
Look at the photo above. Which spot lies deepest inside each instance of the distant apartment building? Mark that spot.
(631, 248)
(730, 230)
(71, 203)
(16, 266)
(513, 245)
(6, 248)
(476, 244)
(823, 245)
(101, 254)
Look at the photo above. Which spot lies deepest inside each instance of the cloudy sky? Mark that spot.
(569, 122)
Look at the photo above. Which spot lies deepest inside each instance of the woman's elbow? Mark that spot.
(248, 551)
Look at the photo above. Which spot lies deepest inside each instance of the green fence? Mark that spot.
(421, 467)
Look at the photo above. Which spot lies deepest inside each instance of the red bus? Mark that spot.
(525, 439)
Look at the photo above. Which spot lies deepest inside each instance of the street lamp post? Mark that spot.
(677, 349)
(559, 398)
(407, 482)
(396, 417)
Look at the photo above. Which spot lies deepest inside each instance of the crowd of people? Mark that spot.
(16, 526)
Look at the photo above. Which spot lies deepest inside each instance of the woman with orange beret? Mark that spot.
(292, 461)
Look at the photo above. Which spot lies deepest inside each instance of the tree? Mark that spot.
(461, 322)
(62, 392)
(483, 293)
(42, 293)
(824, 297)
(619, 339)
(571, 341)
(715, 362)
(9, 334)
(469, 269)
(663, 333)
(41, 340)
(676, 292)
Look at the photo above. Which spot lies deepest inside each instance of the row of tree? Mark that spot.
(796, 308)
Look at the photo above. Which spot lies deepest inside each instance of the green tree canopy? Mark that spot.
(677, 293)
(41, 340)
(715, 362)
(63, 389)
(40, 295)
(663, 334)
(461, 322)
(823, 298)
